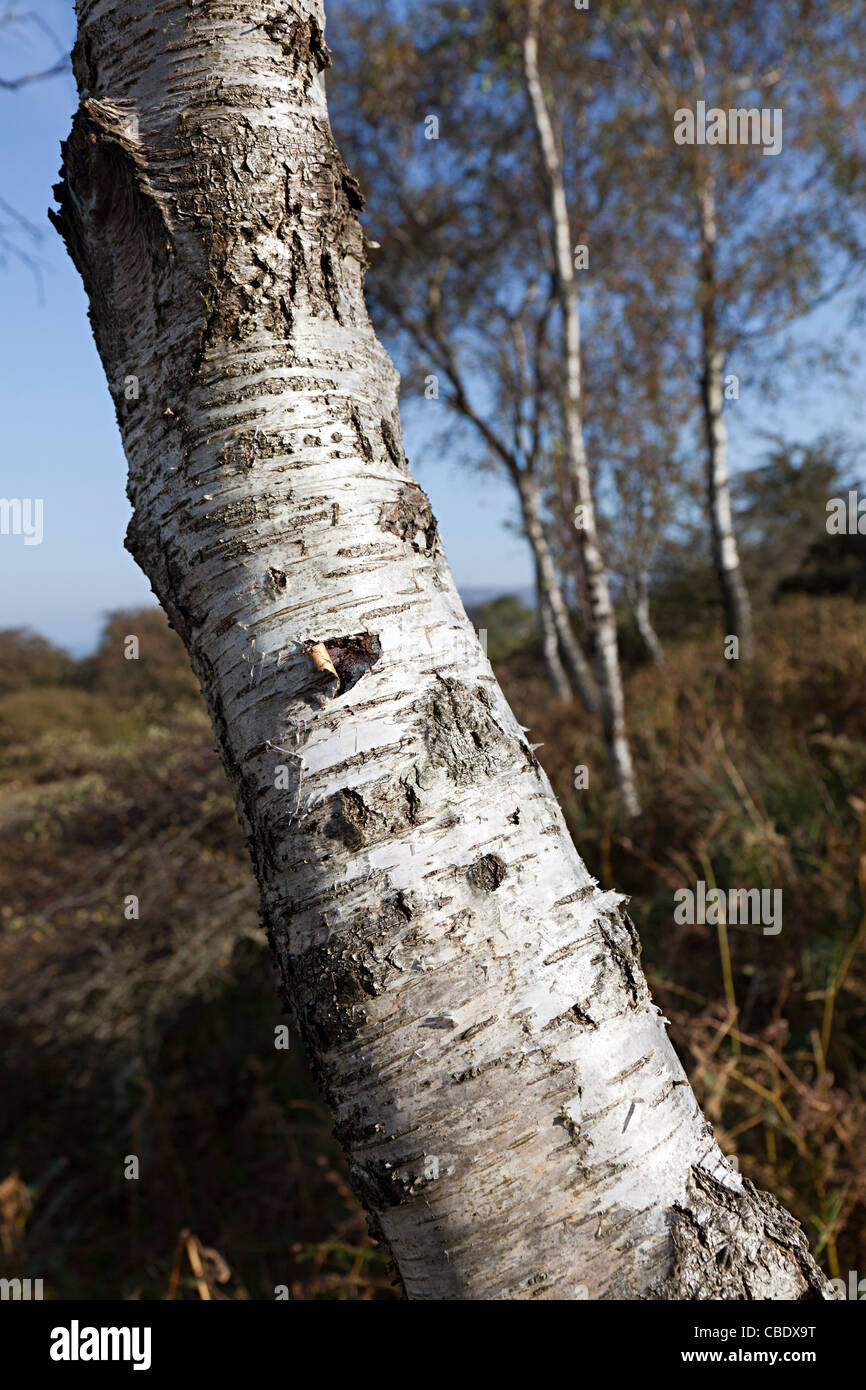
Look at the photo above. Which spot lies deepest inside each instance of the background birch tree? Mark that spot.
(768, 237)
(516, 1121)
(599, 604)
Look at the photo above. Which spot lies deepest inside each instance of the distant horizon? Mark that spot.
(472, 597)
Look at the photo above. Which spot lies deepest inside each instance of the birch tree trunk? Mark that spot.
(557, 632)
(550, 643)
(515, 1119)
(599, 604)
(640, 603)
(726, 557)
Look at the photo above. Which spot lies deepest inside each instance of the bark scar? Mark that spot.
(346, 658)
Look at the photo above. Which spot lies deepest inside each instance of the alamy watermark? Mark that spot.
(750, 906)
(21, 1290)
(854, 1290)
(846, 516)
(738, 125)
(77, 1343)
(22, 516)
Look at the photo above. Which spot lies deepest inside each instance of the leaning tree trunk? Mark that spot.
(557, 632)
(515, 1119)
(638, 593)
(599, 605)
(726, 557)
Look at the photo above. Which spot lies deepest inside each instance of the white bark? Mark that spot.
(726, 558)
(640, 603)
(550, 645)
(515, 1118)
(557, 632)
(600, 607)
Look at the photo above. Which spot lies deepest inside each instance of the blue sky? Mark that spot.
(60, 441)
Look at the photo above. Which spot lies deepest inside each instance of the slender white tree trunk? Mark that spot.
(601, 610)
(557, 632)
(550, 644)
(514, 1116)
(640, 603)
(726, 557)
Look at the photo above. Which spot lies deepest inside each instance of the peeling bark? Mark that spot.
(471, 1001)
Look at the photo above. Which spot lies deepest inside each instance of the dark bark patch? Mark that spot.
(242, 453)
(353, 656)
(357, 819)
(246, 513)
(353, 820)
(461, 734)
(334, 983)
(411, 518)
(623, 943)
(302, 41)
(114, 223)
(352, 190)
(574, 1015)
(329, 283)
(730, 1245)
(363, 442)
(331, 984)
(391, 441)
(379, 1184)
(487, 873)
